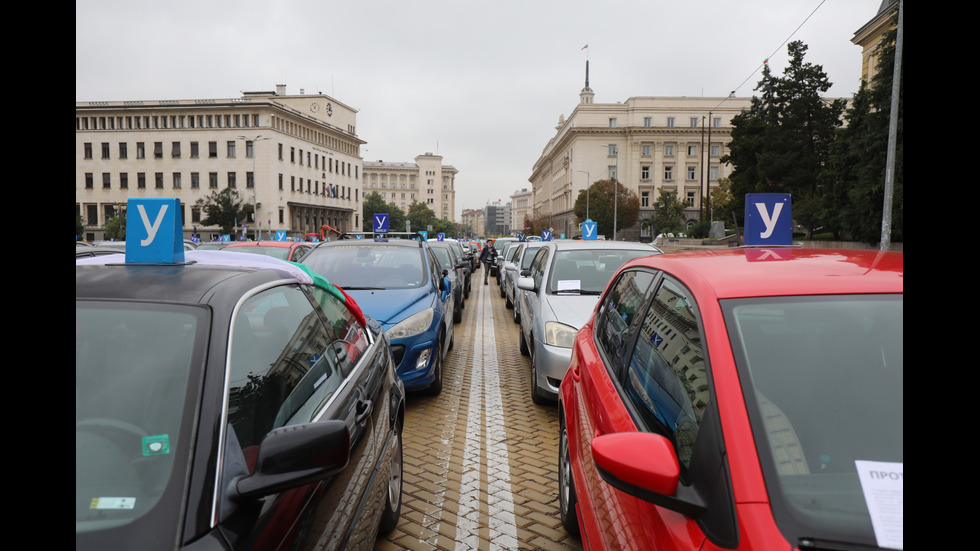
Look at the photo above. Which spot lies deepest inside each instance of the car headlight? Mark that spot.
(412, 325)
(559, 334)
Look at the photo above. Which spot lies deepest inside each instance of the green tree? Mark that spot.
(374, 204)
(602, 195)
(668, 214)
(115, 228)
(723, 205)
(223, 209)
(782, 144)
(79, 228)
(421, 216)
(856, 172)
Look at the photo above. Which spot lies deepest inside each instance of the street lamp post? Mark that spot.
(615, 187)
(255, 183)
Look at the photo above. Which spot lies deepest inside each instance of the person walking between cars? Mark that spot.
(487, 256)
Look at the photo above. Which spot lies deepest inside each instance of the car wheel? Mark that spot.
(524, 349)
(509, 303)
(517, 314)
(393, 503)
(436, 387)
(536, 395)
(458, 314)
(503, 293)
(566, 486)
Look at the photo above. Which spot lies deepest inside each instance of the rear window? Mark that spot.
(369, 266)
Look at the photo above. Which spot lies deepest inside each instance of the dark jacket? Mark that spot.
(488, 254)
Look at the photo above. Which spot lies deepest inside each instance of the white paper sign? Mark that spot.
(565, 285)
(882, 484)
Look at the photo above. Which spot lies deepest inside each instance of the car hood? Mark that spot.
(573, 310)
(390, 306)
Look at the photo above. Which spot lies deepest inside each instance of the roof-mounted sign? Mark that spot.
(768, 219)
(154, 234)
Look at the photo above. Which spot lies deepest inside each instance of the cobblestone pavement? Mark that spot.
(481, 460)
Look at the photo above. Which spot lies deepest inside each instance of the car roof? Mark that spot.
(578, 244)
(265, 243)
(761, 272)
(194, 281)
(371, 242)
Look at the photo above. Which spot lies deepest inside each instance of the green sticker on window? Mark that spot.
(158, 444)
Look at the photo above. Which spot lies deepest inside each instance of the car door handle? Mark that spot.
(363, 411)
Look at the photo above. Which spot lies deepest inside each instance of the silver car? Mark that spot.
(563, 285)
(511, 273)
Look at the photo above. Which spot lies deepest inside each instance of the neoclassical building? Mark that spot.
(426, 180)
(295, 157)
(869, 36)
(649, 143)
(520, 207)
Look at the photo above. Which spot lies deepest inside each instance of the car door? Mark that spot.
(284, 369)
(530, 300)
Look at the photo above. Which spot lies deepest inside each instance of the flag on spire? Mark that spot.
(584, 47)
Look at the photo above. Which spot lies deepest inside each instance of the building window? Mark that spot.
(88, 151)
(249, 180)
(280, 152)
(157, 150)
(195, 180)
(212, 180)
(195, 150)
(647, 122)
(89, 184)
(280, 182)
(644, 198)
(231, 149)
(176, 180)
(140, 150)
(158, 180)
(715, 150)
(175, 150)
(212, 148)
(612, 149)
(692, 172)
(712, 173)
(292, 184)
(231, 179)
(646, 150)
(645, 172)
(106, 181)
(123, 151)
(124, 180)
(612, 172)
(670, 122)
(694, 122)
(195, 215)
(141, 180)
(105, 150)
(292, 154)
(612, 122)
(716, 122)
(249, 149)
(668, 151)
(692, 151)
(669, 173)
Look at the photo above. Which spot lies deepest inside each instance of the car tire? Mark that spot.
(458, 314)
(567, 499)
(436, 387)
(509, 304)
(503, 294)
(393, 502)
(536, 395)
(525, 351)
(517, 314)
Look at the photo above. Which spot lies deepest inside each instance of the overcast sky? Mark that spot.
(480, 83)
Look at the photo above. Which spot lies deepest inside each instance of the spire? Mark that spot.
(586, 95)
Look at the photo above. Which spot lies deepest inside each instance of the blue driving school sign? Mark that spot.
(589, 230)
(153, 231)
(381, 222)
(768, 219)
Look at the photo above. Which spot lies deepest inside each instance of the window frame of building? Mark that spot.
(230, 149)
(140, 150)
(123, 180)
(612, 122)
(692, 151)
(157, 150)
(232, 179)
(647, 150)
(195, 180)
(157, 180)
(123, 150)
(668, 173)
(87, 150)
(106, 180)
(644, 172)
(212, 148)
(692, 173)
(669, 150)
(670, 122)
(694, 122)
(647, 122)
(644, 199)
(140, 180)
(195, 150)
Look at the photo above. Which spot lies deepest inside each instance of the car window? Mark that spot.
(280, 372)
(359, 266)
(444, 258)
(666, 377)
(537, 266)
(617, 313)
(348, 338)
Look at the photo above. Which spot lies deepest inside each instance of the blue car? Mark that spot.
(399, 283)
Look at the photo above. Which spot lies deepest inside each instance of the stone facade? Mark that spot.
(426, 180)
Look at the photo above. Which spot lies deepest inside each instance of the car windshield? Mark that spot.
(825, 399)
(132, 376)
(587, 271)
(368, 266)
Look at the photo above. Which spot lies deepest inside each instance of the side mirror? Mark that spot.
(645, 465)
(294, 456)
(525, 283)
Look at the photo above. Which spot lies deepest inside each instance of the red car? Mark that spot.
(283, 250)
(738, 399)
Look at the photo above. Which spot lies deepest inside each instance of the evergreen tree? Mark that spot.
(224, 208)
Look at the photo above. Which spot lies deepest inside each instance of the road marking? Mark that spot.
(485, 392)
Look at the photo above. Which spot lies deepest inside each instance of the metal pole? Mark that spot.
(886, 214)
(616, 194)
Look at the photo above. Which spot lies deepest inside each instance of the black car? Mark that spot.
(231, 401)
